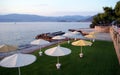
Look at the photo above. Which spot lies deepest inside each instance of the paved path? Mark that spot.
(99, 36)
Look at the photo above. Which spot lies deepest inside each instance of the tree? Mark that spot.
(117, 9)
(108, 17)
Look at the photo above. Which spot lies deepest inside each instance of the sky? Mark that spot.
(55, 7)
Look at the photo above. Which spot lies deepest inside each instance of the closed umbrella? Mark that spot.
(17, 60)
(58, 51)
(7, 48)
(40, 42)
(81, 43)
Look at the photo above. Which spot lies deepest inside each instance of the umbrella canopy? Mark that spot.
(76, 33)
(17, 60)
(68, 34)
(39, 42)
(73, 35)
(82, 43)
(58, 37)
(90, 36)
(92, 33)
(58, 51)
(7, 48)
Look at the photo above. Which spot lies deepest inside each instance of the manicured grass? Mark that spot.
(99, 59)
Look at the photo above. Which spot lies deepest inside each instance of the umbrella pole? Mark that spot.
(19, 70)
(58, 42)
(40, 53)
(40, 49)
(68, 41)
(81, 49)
(58, 59)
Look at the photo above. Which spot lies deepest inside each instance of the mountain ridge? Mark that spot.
(37, 18)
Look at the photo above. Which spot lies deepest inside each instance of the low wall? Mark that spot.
(116, 41)
(104, 29)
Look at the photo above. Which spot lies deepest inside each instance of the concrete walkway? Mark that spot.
(99, 36)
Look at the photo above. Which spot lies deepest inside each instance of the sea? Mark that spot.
(22, 33)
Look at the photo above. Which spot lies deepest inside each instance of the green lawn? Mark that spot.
(99, 59)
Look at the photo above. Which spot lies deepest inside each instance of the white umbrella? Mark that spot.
(73, 35)
(7, 48)
(68, 35)
(76, 32)
(17, 60)
(40, 42)
(58, 37)
(58, 51)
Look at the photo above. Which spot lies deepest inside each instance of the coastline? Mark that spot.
(32, 48)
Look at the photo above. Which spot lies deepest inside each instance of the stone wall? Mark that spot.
(116, 41)
(104, 29)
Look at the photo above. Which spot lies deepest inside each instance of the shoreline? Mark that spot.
(99, 36)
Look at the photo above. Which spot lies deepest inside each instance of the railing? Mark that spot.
(115, 34)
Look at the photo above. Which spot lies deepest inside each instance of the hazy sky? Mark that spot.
(55, 7)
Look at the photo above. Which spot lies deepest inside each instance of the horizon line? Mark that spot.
(47, 15)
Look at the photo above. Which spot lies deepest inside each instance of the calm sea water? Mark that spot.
(21, 33)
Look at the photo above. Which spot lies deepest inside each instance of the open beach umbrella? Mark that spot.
(58, 38)
(7, 48)
(82, 43)
(58, 51)
(73, 35)
(90, 36)
(40, 42)
(68, 35)
(92, 33)
(17, 60)
(76, 33)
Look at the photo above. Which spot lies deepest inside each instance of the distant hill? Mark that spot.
(89, 19)
(36, 18)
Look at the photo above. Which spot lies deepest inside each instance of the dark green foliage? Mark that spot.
(109, 15)
(117, 9)
(99, 59)
(92, 25)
